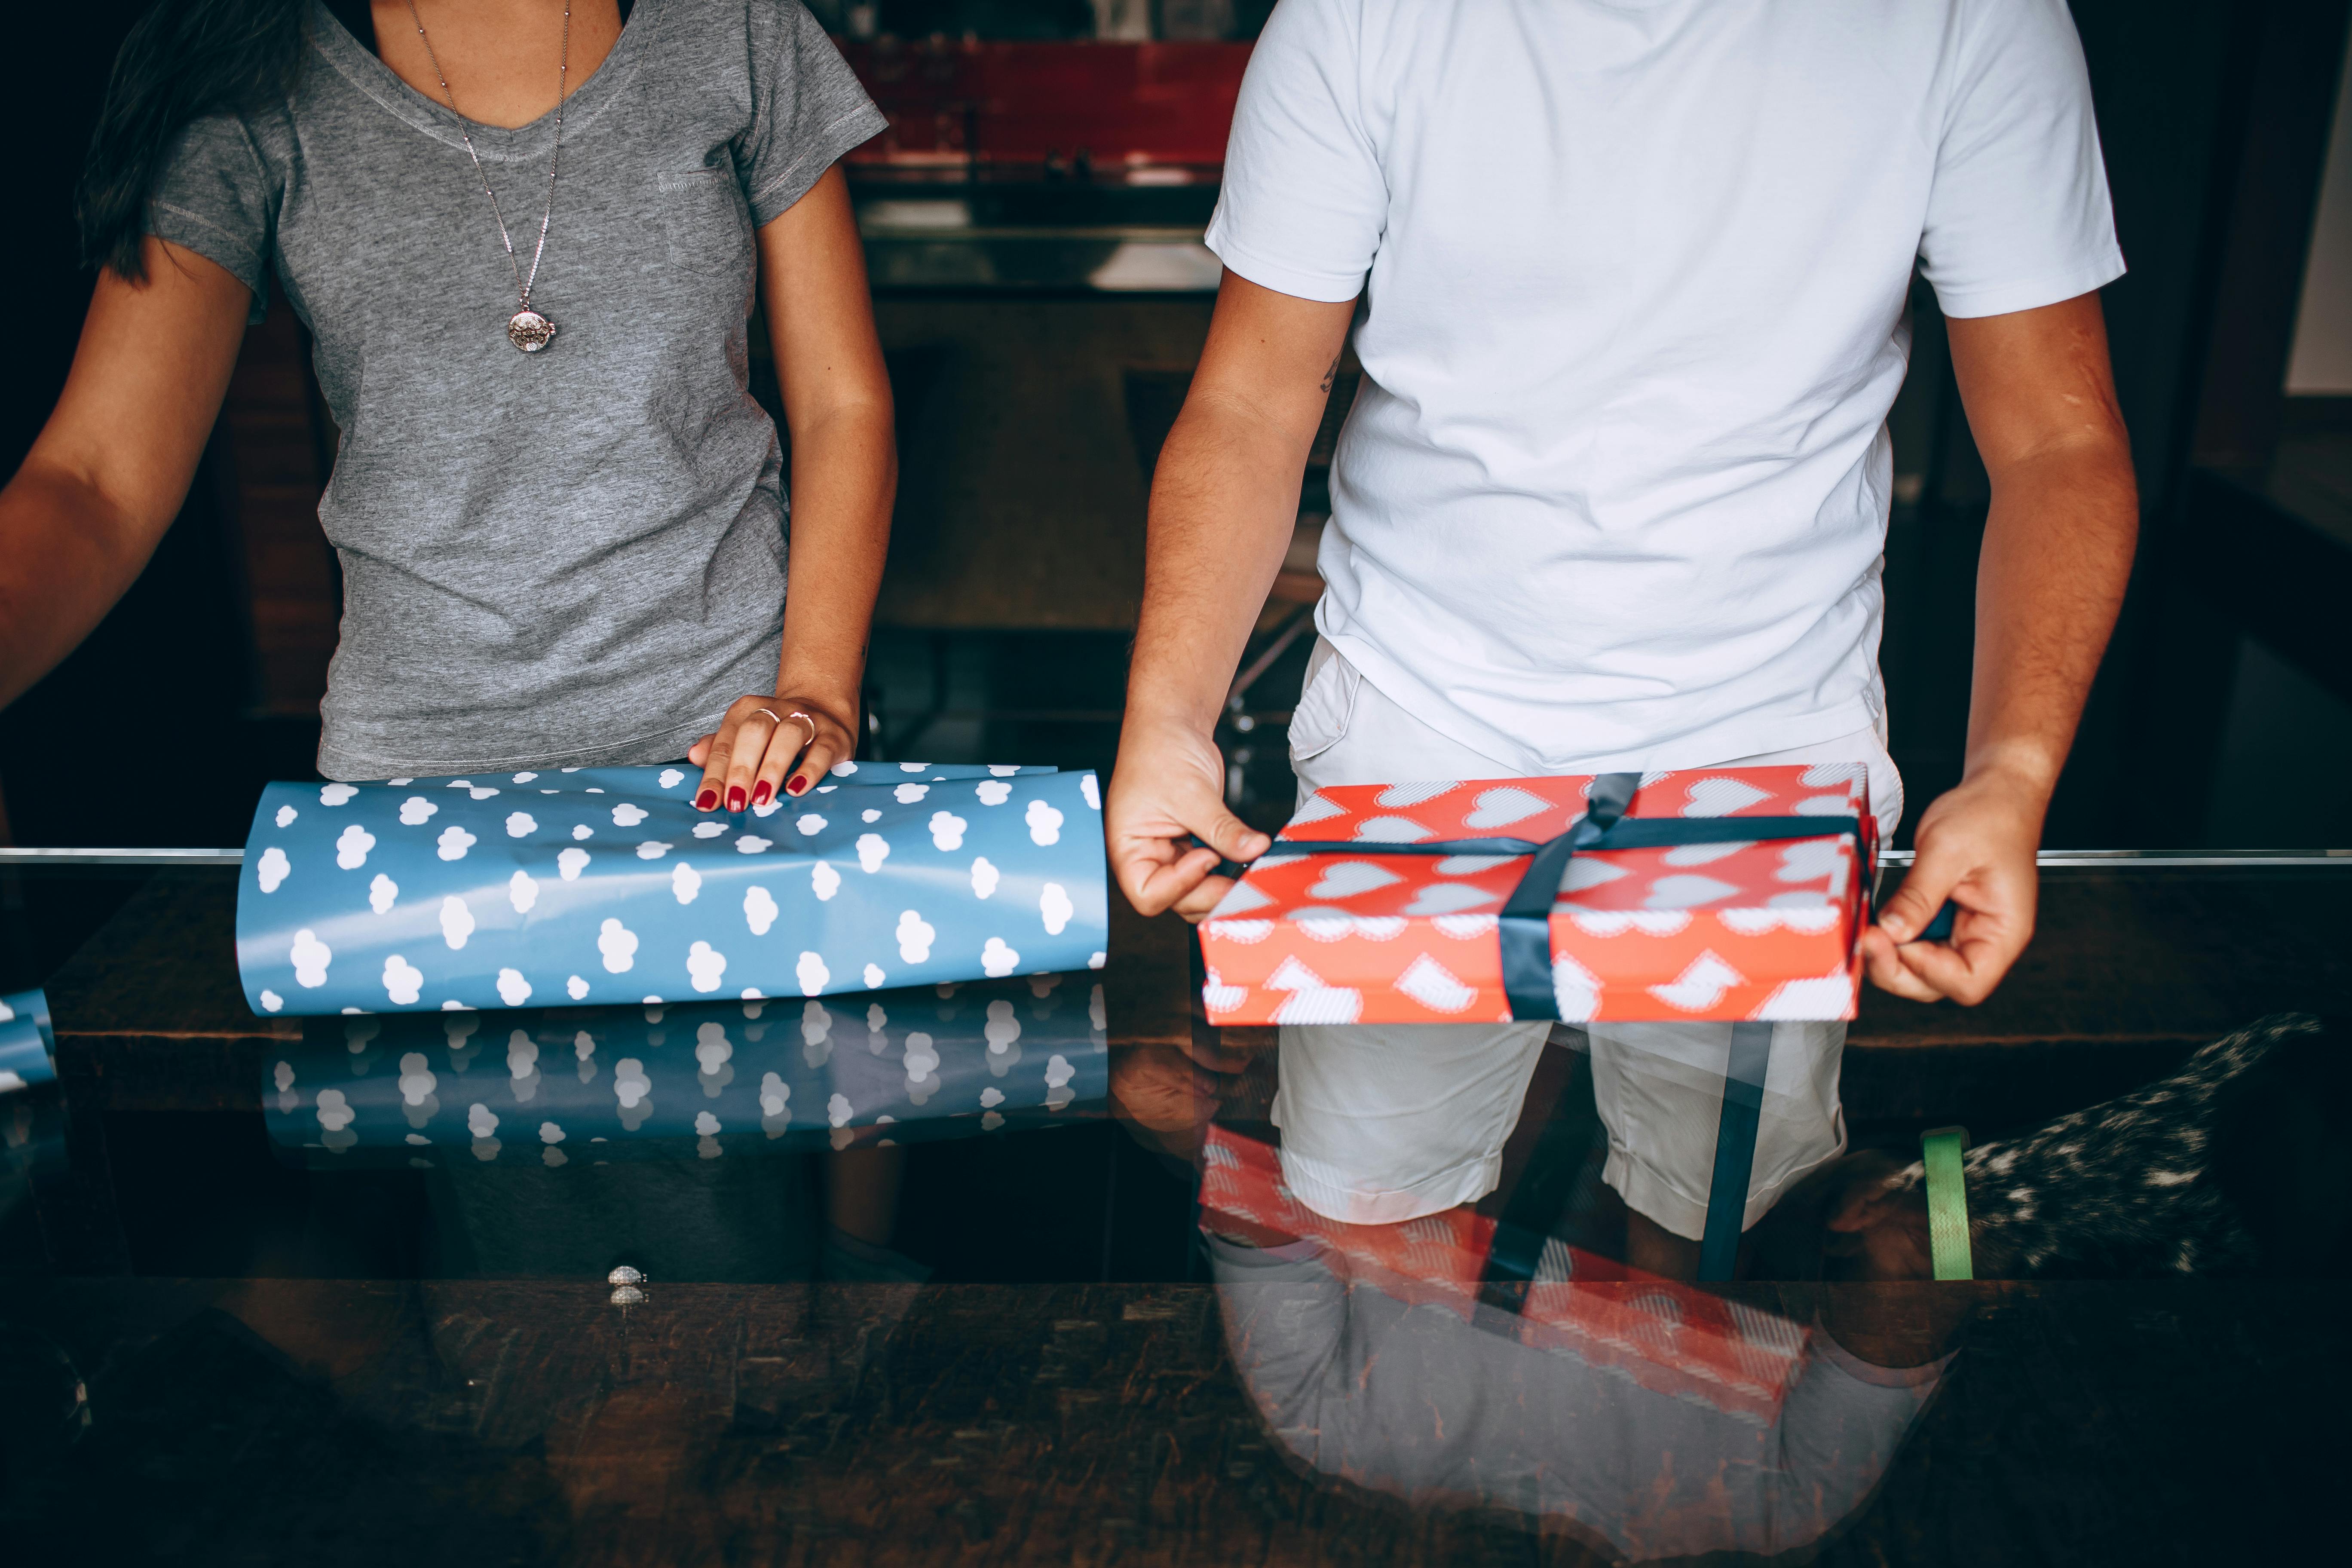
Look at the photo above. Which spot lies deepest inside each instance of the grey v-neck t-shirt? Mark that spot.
(565, 558)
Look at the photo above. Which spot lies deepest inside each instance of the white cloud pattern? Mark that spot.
(416, 810)
(618, 943)
(812, 973)
(759, 910)
(352, 846)
(402, 981)
(309, 957)
(272, 868)
(915, 937)
(456, 922)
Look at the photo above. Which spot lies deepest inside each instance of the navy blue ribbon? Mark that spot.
(1525, 924)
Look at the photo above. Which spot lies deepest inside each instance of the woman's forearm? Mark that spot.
(67, 554)
(844, 478)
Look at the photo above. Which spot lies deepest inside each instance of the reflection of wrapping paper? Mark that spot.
(605, 886)
(564, 1084)
(1733, 931)
(1671, 1338)
(26, 1046)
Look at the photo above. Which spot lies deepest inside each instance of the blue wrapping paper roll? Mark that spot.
(564, 1084)
(605, 886)
(28, 1048)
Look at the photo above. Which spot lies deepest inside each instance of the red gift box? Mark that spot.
(1368, 932)
(1671, 1338)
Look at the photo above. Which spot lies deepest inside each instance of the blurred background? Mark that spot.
(1032, 220)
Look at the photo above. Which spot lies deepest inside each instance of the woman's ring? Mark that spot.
(804, 719)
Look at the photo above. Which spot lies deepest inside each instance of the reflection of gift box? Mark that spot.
(561, 1084)
(1733, 893)
(1672, 1338)
(605, 886)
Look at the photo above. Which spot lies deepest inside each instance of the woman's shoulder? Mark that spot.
(756, 27)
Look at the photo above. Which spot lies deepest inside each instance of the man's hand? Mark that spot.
(1170, 781)
(1166, 1096)
(2057, 552)
(1975, 846)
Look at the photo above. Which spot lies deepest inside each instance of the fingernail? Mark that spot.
(761, 792)
(734, 800)
(795, 785)
(706, 800)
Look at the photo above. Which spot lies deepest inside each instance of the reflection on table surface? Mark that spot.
(872, 1316)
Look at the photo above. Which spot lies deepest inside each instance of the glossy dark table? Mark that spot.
(1052, 1363)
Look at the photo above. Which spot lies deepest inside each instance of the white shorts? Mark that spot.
(1386, 1122)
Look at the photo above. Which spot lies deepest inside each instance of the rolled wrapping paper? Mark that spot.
(564, 1084)
(28, 1047)
(605, 886)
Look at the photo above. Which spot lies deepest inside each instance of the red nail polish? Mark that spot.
(796, 785)
(706, 800)
(734, 800)
(761, 792)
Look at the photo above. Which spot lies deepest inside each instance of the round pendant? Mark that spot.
(529, 332)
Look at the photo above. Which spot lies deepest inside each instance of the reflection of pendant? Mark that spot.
(529, 332)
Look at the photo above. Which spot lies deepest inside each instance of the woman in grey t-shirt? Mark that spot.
(560, 513)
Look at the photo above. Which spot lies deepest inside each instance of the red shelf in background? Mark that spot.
(1121, 104)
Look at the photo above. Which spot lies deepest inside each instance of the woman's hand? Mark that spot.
(765, 742)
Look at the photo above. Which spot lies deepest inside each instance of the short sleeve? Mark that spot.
(2019, 216)
(1305, 202)
(215, 196)
(807, 110)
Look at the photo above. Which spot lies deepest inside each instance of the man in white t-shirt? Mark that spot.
(1614, 492)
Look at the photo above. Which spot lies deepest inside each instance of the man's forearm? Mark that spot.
(2057, 555)
(1223, 504)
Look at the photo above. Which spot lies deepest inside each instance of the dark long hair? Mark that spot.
(184, 61)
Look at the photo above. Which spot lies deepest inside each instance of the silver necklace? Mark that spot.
(526, 329)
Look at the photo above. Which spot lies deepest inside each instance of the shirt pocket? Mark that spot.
(1326, 705)
(707, 222)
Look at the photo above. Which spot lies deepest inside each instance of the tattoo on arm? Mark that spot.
(1332, 375)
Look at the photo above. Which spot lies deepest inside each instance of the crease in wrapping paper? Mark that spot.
(1733, 931)
(553, 1085)
(605, 887)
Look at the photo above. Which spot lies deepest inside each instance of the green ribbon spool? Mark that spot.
(1948, 1203)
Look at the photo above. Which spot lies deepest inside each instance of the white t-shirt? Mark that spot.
(1614, 491)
